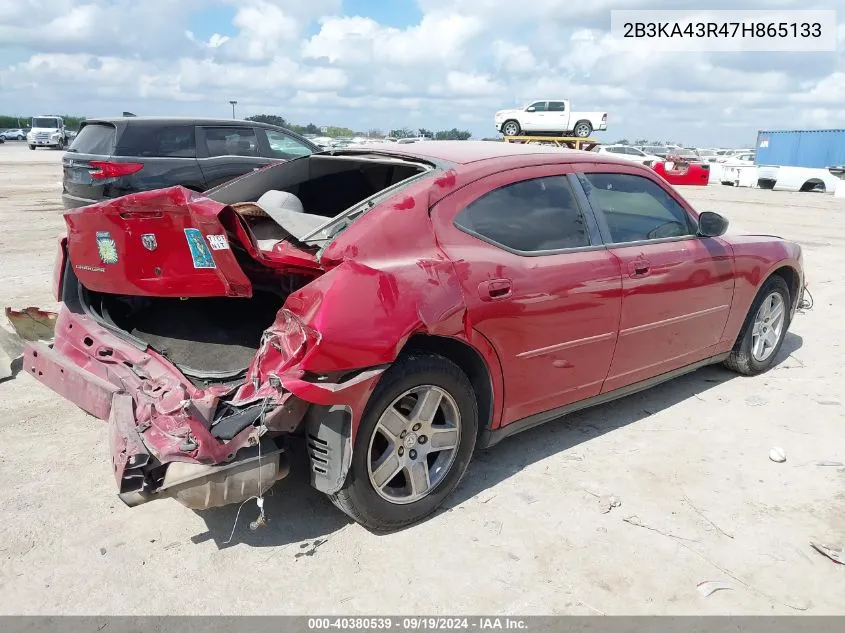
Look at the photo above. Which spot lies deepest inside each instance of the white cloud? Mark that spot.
(514, 58)
(440, 38)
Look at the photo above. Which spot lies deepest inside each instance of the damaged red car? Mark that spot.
(395, 307)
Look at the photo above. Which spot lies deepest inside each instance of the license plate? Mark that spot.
(78, 177)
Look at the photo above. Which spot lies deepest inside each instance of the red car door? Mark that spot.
(538, 283)
(677, 287)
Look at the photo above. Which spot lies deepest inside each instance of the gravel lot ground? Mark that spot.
(523, 533)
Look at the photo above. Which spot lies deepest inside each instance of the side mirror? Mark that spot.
(711, 224)
(529, 109)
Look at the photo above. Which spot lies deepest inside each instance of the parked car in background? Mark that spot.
(681, 154)
(114, 157)
(655, 150)
(47, 131)
(14, 135)
(740, 158)
(390, 316)
(629, 153)
(549, 117)
(707, 155)
(727, 154)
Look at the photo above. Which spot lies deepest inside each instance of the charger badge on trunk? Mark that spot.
(106, 247)
(149, 241)
(200, 252)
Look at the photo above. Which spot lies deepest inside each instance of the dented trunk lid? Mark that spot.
(170, 242)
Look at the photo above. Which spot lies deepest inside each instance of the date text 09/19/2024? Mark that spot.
(417, 624)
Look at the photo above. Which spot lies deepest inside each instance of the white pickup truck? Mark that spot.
(549, 117)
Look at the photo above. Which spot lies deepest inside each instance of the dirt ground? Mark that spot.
(523, 534)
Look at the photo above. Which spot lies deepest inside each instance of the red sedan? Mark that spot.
(396, 307)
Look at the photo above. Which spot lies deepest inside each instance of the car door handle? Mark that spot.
(495, 289)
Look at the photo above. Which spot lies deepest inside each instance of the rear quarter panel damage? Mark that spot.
(386, 280)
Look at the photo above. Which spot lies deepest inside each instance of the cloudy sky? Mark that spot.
(391, 63)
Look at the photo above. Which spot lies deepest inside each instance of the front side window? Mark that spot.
(540, 214)
(231, 141)
(636, 208)
(539, 106)
(284, 146)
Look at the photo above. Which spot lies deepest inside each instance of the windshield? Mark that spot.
(45, 122)
(685, 153)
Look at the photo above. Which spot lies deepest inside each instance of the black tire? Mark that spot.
(582, 129)
(21, 138)
(32, 147)
(741, 359)
(358, 498)
(515, 124)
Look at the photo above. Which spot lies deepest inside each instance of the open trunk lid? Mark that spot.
(163, 243)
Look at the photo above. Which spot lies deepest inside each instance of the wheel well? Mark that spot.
(580, 121)
(470, 362)
(792, 279)
(812, 185)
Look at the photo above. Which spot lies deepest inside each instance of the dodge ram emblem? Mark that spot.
(149, 241)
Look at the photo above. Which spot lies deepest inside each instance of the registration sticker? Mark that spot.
(106, 248)
(199, 251)
(218, 242)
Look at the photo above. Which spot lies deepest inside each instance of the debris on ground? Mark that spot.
(709, 587)
(607, 503)
(836, 554)
(706, 518)
(635, 520)
(828, 463)
(777, 454)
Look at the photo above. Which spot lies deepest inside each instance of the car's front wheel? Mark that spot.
(511, 128)
(764, 329)
(413, 444)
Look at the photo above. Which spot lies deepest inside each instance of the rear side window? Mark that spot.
(557, 106)
(94, 138)
(636, 208)
(231, 141)
(540, 214)
(172, 141)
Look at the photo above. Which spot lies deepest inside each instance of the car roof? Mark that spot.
(177, 120)
(465, 152)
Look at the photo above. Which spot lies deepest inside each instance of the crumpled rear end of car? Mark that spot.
(204, 431)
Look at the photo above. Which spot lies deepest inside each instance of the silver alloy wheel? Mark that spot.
(511, 129)
(582, 130)
(414, 444)
(768, 327)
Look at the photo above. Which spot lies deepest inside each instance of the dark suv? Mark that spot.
(114, 157)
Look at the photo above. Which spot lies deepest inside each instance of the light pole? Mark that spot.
(234, 103)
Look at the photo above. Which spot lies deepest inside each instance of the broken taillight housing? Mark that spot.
(108, 169)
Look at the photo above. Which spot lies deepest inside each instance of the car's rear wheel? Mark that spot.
(583, 129)
(413, 445)
(764, 329)
(511, 128)
(32, 147)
